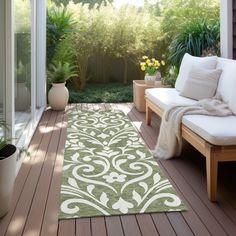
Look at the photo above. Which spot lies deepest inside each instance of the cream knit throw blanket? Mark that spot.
(169, 143)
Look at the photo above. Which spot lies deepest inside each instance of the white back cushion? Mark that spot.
(189, 61)
(226, 86)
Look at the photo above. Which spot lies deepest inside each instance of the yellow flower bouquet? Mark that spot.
(151, 66)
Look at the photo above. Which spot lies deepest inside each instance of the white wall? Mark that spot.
(226, 28)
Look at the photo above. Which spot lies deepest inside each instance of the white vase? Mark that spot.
(7, 177)
(58, 96)
(150, 79)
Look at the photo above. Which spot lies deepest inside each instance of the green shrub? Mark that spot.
(97, 93)
(194, 38)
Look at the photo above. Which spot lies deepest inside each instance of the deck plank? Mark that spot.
(83, 227)
(180, 225)
(98, 226)
(50, 221)
(113, 225)
(66, 228)
(130, 225)
(163, 225)
(146, 225)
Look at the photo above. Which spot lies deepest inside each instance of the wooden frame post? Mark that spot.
(212, 174)
(148, 115)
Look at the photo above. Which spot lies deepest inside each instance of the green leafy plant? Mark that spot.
(59, 23)
(170, 77)
(60, 72)
(3, 139)
(194, 38)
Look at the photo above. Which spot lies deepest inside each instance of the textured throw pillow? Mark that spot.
(201, 83)
(189, 61)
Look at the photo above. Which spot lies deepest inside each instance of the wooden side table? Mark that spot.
(139, 87)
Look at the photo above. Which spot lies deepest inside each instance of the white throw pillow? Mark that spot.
(189, 61)
(201, 83)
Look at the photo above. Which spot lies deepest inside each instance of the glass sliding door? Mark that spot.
(22, 68)
(22, 30)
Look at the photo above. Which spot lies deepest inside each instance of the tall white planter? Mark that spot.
(58, 96)
(7, 177)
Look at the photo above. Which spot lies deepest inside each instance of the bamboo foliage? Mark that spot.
(124, 33)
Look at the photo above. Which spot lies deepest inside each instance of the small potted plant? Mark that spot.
(8, 155)
(151, 69)
(58, 74)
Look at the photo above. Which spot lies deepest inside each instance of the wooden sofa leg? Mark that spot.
(148, 115)
(212, 173)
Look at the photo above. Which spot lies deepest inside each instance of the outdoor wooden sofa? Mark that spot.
(214, 137)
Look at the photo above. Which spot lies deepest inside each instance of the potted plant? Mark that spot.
(58, 74)
(8, 155)
(151, 69)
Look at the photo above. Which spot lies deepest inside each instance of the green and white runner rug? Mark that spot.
(108, 170)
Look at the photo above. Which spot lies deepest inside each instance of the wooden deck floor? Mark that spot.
(36, 194)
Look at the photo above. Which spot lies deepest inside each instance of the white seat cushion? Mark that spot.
(215, 130)
(164, 97)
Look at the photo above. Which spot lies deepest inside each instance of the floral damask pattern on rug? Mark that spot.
(108, 170)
